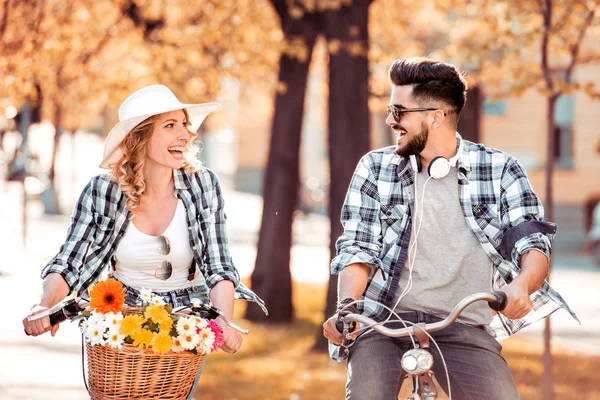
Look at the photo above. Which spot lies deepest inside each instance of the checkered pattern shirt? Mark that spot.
(497, 201)
(100, 219)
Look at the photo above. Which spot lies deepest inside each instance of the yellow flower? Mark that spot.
(161, 342)
(142, 338)
(159, 315)
(131, 324)
(166, 324)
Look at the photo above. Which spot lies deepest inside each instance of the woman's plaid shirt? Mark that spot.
(497, 201)
(100, 219)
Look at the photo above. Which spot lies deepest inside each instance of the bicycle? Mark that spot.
(418, 361)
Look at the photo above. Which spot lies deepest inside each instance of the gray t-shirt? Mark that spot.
(450, 264)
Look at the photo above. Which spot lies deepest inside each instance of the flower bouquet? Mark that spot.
(142, 352)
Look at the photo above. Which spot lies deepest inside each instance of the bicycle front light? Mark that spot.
(409, 363)
(417, 361)
(425, 361)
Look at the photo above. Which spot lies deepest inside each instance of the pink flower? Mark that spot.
(218, 331)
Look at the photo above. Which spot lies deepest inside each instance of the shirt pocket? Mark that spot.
(104, 229)
(393, 222)
(488, 218)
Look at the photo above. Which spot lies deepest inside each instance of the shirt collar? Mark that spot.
(181, 179)
(464, 158)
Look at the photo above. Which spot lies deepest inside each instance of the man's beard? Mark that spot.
(415, 145)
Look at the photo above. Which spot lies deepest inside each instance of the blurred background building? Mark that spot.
(516, 125)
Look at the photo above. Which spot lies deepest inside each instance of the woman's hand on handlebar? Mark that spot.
(232, 340)
(55, 288)
(39, 326)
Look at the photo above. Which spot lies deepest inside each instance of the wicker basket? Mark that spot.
(133, 373)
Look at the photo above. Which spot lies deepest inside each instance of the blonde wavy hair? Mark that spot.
(128, 170)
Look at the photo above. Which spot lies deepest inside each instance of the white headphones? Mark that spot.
(439, 166)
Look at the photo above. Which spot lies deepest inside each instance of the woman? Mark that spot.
(156, 221)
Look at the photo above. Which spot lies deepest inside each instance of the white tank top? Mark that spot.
(138, 256)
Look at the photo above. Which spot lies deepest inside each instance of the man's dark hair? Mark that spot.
(434, 80)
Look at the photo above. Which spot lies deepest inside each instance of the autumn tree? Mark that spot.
(343, 24)
(87, 56)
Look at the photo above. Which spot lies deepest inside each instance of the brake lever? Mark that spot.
(69, 308)
(212, 313)
(346, 329)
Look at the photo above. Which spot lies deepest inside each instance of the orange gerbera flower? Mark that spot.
(107, 296)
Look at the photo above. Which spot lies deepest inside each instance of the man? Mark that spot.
(428, 222)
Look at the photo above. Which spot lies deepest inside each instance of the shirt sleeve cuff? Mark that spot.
(215, 278)
(346, 258)
(537, 241)
(70, 276)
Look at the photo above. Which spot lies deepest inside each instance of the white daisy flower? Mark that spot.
(113, 321)
(115, 339)
(207, 340)
(201, 323)
(95, 318)
(157, 300)
(186, 326)
(177, 346)
(189, 341)
(146, 295)
(95, 334)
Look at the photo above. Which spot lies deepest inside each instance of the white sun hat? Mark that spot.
(144, 103)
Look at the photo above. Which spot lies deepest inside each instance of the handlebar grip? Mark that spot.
(57, 317)
(500, 303)
(339, 324)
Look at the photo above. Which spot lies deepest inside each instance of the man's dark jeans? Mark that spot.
(476, 368)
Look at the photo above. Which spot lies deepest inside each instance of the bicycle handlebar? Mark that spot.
(496, 301)
(211, 312)
(66, 309)
(73, 307)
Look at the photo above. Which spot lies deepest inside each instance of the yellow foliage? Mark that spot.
(281, 88)
(334, 46)
(87, 56)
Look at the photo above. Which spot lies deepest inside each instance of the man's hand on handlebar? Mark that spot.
(333, 327)
(518, 302)
(39, 326)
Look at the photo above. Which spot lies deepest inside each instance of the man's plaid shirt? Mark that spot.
(496, 199)
(100, 219)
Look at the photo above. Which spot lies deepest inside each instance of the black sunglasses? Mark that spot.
(397, 111)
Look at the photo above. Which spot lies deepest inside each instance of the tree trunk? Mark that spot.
(469, 123)
(271, 278)
(50, 196)
(57, 122)
(547, 376)
(348, 120)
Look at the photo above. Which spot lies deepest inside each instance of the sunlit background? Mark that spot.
(304, 87)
